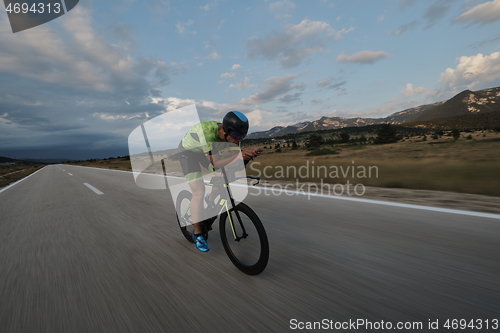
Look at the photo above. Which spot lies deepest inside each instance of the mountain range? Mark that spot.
(8, 160)
(465, 103)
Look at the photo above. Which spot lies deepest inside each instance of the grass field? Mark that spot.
(463, 165)
(12, 174)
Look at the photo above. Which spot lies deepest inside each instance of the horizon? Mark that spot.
(124, 155)
(78, 85)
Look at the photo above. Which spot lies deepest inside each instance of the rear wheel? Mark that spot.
(183, 209)
(245, 243)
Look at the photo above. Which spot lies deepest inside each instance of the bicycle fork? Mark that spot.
(231, 221)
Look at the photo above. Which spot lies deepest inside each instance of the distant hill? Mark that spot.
(410, 114)
(45, 160)
(465, 103)
(338, 122)
(280, 131)
(11, 161)
(466, 121)
(6, 159)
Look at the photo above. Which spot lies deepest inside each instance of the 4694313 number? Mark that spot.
(479, 324)
(35, 8)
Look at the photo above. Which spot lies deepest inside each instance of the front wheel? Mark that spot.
(245, 243)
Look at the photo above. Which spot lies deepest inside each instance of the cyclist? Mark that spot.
(196, 149)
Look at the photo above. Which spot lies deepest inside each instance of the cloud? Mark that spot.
(179, 66)
(78, 58)
(482, 14)
(235, 67)
(228, 75)
(290, 98)
(381, 17)
(436, 11)
(209, 110)
(276, 86)
(43, 119)
(180, 28)
(327, 2)
(484, 42)
(158, 7)
(242, 84)
(210, 5)
(473, 72)
(282, 16)
(404, 28)
(330, 83)
(283, 5)
(125, 35)
(213, 56)
(86, 92)
(409, 91)
(363, 57)
(292, 46)
(406, 3)
(45, 57)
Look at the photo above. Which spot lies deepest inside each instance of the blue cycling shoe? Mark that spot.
(200, 242)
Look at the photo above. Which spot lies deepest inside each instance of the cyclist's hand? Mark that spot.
(249, 153)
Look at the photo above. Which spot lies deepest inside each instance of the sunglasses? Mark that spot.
(236, 135)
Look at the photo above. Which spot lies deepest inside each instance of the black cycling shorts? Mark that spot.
(191, 163)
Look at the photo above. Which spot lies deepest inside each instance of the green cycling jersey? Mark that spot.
(200, 137)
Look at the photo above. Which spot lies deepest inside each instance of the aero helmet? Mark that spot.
(235, 124)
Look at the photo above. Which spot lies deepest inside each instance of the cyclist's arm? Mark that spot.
(219, 162)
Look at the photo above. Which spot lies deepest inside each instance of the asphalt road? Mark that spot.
(72, 260)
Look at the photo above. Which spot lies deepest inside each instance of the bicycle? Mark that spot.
(241, 231)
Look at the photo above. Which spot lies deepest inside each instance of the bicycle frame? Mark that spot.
(224, 202)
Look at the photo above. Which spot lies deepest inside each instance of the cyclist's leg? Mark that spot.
(198, 190)
(213, 194)
(190, 163)
(204, 162)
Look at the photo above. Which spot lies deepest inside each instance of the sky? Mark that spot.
(77, 86)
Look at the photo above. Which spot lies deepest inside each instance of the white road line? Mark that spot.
(70, 174)
(369, 201)
(5, 188)
(403, 205)
(93, 188)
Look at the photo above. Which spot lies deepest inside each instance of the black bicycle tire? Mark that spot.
(261, 263)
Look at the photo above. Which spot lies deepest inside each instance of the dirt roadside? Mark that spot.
(451, 200)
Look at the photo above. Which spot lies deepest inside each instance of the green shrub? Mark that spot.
(386, 134)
